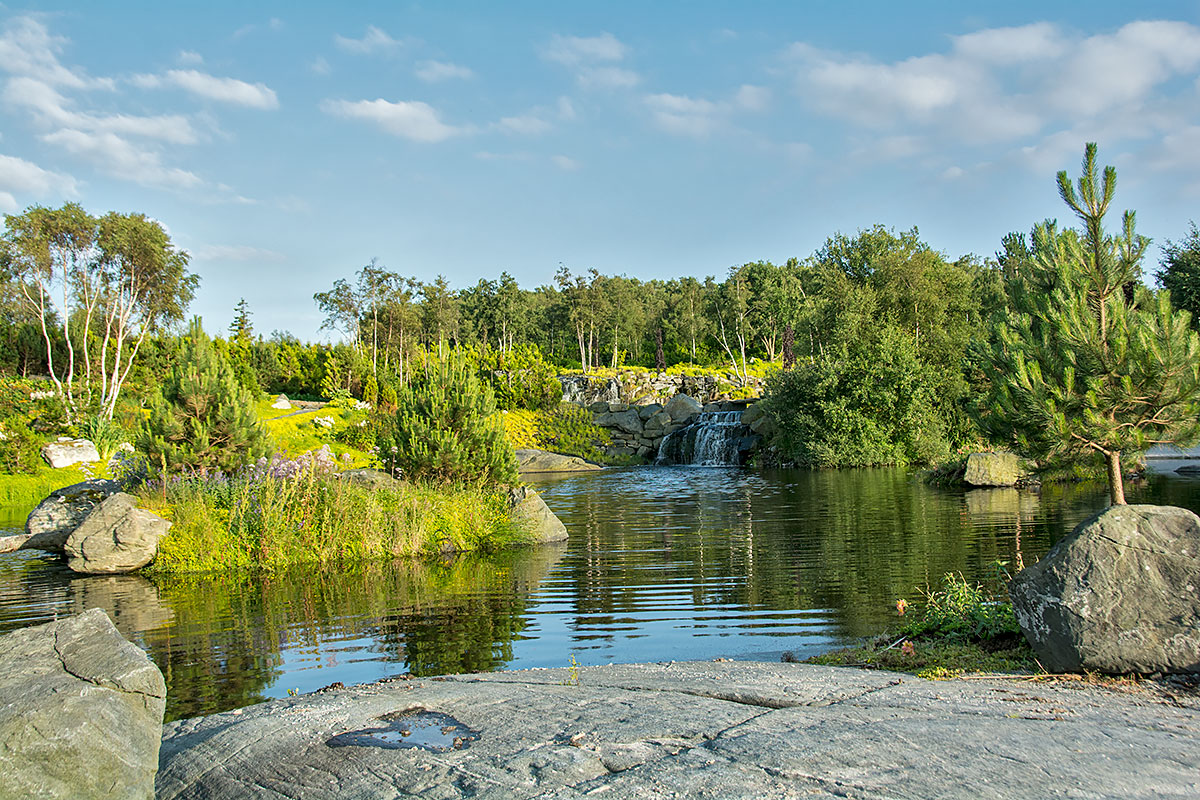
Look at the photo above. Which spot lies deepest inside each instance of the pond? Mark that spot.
(663, 563)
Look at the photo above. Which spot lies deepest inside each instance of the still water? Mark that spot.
(663, 563)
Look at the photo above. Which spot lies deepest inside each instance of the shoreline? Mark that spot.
(690, 729)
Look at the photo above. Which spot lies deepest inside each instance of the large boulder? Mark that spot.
(282, 403)
(116, 537)
(69, 452)
(81, 712)
(682, 408)
(529, 511)
(627, 420)
(542, 461)
(49, 525)
(993, 469)
(1120, 594)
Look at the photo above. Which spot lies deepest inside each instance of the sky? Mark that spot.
(285, 145)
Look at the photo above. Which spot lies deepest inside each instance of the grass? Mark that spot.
(963, 630)
(222, 524)
(293, 433)
(29, 490)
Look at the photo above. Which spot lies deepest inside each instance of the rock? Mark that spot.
(528, 510)
(49, 525)
(649, 410)
(116, 537)
(281, 403)
(371, 478)
(542, 461)
(764, 425)
(752, 414)
(1189, 469)
(618, 407)
(677, 729)
(599, 407)
(81, 712)
(627, 420)
(646, 451)
(68, 452)
(682, 408)
(1120, 594)
(993, 469)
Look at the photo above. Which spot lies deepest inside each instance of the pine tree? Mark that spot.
(447, 429)
(1078, 368)
(201, 418)
(1180, 273)
(241, 330)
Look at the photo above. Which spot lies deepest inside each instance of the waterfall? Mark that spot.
(712, 439)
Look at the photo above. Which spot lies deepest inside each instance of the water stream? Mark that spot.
(712, 439)
(663, 563)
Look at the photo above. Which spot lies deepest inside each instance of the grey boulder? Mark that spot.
(49, 525)
(529, 511)
(81, 712)
(1120, 594)
(116, 537)
(541, 461)
(993, 469)
(69, 452)
(683, 407)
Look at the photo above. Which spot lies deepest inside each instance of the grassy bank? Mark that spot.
(963, 630)
(29, 490)
(266, 520)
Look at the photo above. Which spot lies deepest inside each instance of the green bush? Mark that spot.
(964, 611)
(201, 418)
(869, 405)
(570, 429)
(103, 432)
(446, 427)
(20, 448)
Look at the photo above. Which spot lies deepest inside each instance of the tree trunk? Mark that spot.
(1116, 482)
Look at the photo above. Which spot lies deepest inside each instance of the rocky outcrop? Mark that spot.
(529, 461)
(49, 525)
(638, 387)
(81, 712)
(994, 469)
(69, 452)
(281, 403)
(726, 730)
(1120, 594)
(115, 537)
(529, 511)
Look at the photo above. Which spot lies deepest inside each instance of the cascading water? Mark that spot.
(712, 439)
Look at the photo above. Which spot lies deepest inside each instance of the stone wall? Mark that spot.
(638, 430)
(643, 388)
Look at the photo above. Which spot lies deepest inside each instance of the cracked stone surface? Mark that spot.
(80, 712)
(703, 729)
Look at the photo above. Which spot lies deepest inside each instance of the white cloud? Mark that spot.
(593, 59)
(564, 163)
(21, 178)
(224, 90)
(572, 51)
(413, 120)
(51, 109)
(689, 116)
(189, 58)
(118, 157)
(235, 252)
(1025, 44)
(375, 40)
(525, 125)
(27, 48)
(320, 66)
(435, 71)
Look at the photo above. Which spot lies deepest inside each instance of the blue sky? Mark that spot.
(285, 145)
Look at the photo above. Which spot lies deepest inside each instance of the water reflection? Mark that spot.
(663, 563)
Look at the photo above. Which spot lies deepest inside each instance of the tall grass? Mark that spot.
(268, 521)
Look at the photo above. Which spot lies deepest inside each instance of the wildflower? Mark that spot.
(901, 607)
(908, 649)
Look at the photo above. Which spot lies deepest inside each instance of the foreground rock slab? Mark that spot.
(1120, 594)
(727, 730)
(543, 461)
(80, 712)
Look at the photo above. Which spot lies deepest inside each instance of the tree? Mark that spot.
(446, 427)
(1077, 368)
(200, 418)
(241, 330)
(1180, 273)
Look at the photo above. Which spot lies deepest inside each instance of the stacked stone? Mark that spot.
(643, 388)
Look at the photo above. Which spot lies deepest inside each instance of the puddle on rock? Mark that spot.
(417, 728)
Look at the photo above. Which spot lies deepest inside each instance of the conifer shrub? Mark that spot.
(446, 428)
(520, 377)
(201, 418)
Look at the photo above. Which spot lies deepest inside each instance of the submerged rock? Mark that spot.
(543, 461)
(528, 510)
(81, 712)
(69, 452)
(1120, 594)
(116, 537)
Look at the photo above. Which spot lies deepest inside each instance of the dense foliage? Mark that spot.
(200, 418)
(446, 429)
